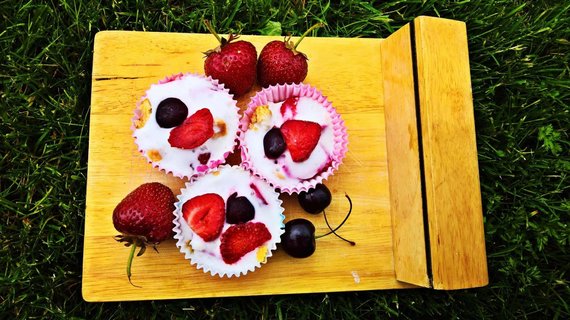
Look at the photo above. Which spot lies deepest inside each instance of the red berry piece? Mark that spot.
(239, 209)
(258, 193)
(240, 239)
(194, 131)
(203, 158)
(301, 138)
(289, 107)
(171, 112)
(280, 62)
(206, 215)
(232, 63)
(144, 217)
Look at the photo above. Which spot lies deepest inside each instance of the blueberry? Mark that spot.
(171, 112)
(239, 209)
(273, 143)
(316, 199)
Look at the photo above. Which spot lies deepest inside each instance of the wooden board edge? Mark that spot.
(99, 38)
(409, 242)
(456, 237)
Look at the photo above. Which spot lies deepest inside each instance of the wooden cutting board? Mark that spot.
(350, 73)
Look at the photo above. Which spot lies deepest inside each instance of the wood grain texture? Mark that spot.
(450, 155)
(403, 159)
(348, 71)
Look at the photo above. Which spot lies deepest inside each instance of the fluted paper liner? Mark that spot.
(279, 93)
(210, 262)
(190, 172)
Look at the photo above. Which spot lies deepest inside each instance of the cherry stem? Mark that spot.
(212, 31)
(316, 25)
(352, 243)
(130, 262)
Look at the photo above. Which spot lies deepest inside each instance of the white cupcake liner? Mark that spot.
(280, 93)
(214, 264)
(201, 169)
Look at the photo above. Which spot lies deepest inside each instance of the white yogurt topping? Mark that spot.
(197, 93)
(286, 172)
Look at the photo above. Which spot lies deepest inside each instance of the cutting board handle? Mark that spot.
(435, 197)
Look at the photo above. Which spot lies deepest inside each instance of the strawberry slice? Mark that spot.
(194, 131)
(241, 239)
(301, 138)
(206, 215)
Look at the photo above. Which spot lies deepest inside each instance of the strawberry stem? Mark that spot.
(313, 27)
(212, 31)
(130, 262)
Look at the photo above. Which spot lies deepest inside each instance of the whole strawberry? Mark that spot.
(280, 62)
(144, 217)
(232, 63)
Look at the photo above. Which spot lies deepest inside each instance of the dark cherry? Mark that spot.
(239, 209)
(299, 238)
(315, 199)
(171, 112)
(273, 143)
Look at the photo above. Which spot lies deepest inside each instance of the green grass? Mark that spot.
(520, 52)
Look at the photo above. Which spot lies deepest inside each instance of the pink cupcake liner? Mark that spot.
(183, 234)
(280, 93)
(200, 169)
